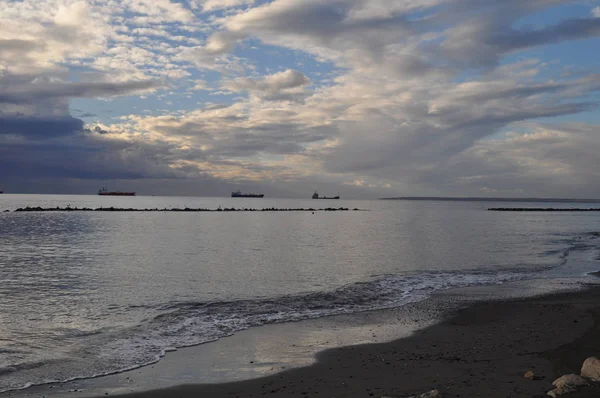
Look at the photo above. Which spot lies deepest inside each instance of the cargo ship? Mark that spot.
(239, 194)
(316, 196)
(105, 192)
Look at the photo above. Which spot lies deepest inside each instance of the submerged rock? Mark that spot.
(567, 384)
(591, 368)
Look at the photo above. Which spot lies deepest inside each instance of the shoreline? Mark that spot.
(396, 352)
(481, 350)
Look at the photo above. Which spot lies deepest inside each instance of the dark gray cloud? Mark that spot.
(36, 107)
(20, 90)
(40, 127)
(484, 39)
(84, 154)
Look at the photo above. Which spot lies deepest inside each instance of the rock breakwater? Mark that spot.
(185, 209)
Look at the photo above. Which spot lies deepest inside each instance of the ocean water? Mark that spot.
(84, 294)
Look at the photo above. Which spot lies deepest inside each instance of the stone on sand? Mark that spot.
(530, 375)
(591, 368)
(567, 384)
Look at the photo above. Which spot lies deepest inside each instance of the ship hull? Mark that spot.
(336, 197)
(116, 193)
(247, 196)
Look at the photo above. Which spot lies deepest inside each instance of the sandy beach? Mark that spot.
(483, 350)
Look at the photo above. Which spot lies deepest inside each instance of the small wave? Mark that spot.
(182, 324)
(192, 323)
(24, 366)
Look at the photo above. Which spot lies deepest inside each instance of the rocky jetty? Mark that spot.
(542, 209)
(185, 209)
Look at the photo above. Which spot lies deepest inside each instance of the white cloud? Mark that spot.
(161, 10)
(287, 85)
(214, 5)
(200, 85)
(42, 35)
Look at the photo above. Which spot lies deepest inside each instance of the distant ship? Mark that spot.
(316, 196)
(105, 192)
(239, 194)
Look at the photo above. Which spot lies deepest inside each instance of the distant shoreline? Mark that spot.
(486, 199)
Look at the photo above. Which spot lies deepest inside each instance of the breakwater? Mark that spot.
(185, 209)
(541, 209)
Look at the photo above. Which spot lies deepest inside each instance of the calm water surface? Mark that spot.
(84, 294)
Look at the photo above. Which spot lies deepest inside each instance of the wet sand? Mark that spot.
(480, 351)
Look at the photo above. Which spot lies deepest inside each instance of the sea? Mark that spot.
(84, 294)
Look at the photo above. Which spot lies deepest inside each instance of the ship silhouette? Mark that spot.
(316, 196)
(239, 194)
(105, 192)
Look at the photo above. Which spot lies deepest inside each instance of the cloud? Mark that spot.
(423, 134)
(160, 10)
(314, 26)
(214, 5)
(403, 95)
(40, 127)
(483, 40)
(550, 160)
(200, 85)
(40, 35)
(94, 153)
(288, 85)
(23, 90)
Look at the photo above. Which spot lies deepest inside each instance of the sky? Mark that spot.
(362, 98)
